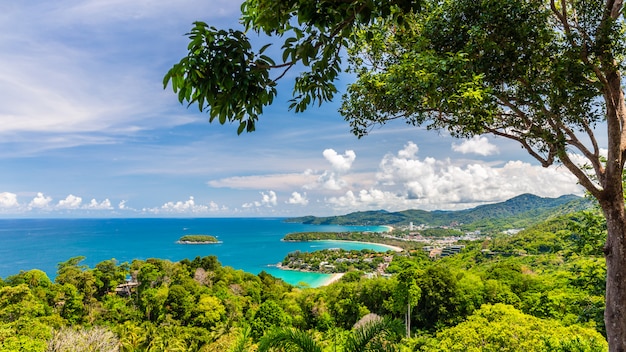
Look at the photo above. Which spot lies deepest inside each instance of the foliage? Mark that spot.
(503, 328)
(289, 340)
(542, 74)
(554, 297)
(96, 339)
(517, 212)
(335, 260)
(198, 239)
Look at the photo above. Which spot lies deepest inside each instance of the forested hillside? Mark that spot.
(522, 211)
(542, 289)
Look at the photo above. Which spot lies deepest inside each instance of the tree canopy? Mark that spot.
(543, 73)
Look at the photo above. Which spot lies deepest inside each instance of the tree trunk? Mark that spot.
(615, 254)
(408, 320)
(611, 199)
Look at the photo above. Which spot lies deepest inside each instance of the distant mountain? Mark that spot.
(517, 212)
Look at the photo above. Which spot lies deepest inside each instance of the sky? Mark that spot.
(87, 130)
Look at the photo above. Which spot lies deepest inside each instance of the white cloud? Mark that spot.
(340, 163)
(297, 198)
(406, 181)
(409, 151)
(268, 199)
(181, 207)
(70, 202)
(40, 201)
(372, 199)
(477, 145)
(8, 200)
(104, 205)
(333, 180)
(185, 207)
(122, 205)
(328, 180)
(281, 182)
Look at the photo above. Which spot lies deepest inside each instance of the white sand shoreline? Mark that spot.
(333, 278)
(394, 248)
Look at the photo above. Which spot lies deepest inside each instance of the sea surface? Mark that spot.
(249, 244)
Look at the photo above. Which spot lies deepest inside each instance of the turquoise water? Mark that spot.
(249, 244)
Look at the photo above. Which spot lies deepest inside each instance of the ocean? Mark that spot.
(248, 244)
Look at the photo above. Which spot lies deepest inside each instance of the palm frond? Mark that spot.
(242, 340)
(289, 340)
(373, 335)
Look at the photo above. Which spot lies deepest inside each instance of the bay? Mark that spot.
(249, 244)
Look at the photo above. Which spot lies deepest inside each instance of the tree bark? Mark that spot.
(615, 253)
(611, 199)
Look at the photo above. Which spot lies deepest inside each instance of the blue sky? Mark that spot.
(86, 129)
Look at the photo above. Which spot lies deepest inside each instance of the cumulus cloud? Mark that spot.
(297, 198)
(477, 145)
(328, 180)
(40, 201)
(407, 181)
(189, 206)
(332, 180)
(268, 199)
(8, 200)
(70, 202)
(340, 163)
(371, 199)
(104, 205)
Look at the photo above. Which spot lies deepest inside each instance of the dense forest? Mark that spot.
(540, 289)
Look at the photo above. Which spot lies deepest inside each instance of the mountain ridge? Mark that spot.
(520, 211)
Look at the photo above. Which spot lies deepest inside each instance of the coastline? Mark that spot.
(389, 246)
(333, 278)
(394, 248)
(199, 242)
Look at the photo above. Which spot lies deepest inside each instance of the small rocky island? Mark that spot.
(197, 239)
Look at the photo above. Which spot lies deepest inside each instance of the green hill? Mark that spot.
(520, 211)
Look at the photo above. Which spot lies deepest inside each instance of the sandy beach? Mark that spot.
(332, 278)
(393, 248)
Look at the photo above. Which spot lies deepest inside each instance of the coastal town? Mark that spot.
(405, 241)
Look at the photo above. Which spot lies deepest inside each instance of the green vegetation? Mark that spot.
(361, 236)
(542, 289)
(519, 212)
(203, 239)
(339, 236)
(337, 261)
(543, 74)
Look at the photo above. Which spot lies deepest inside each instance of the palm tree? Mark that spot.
(370, 335)
(242, 341)
(289, 340)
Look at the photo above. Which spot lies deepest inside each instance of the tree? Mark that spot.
(269, 315)
(289, 340)
(209, 311)
(408, 294)
(108, 275)
(94, 339)
(372, 335)
(504, 328)
(543, 73)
